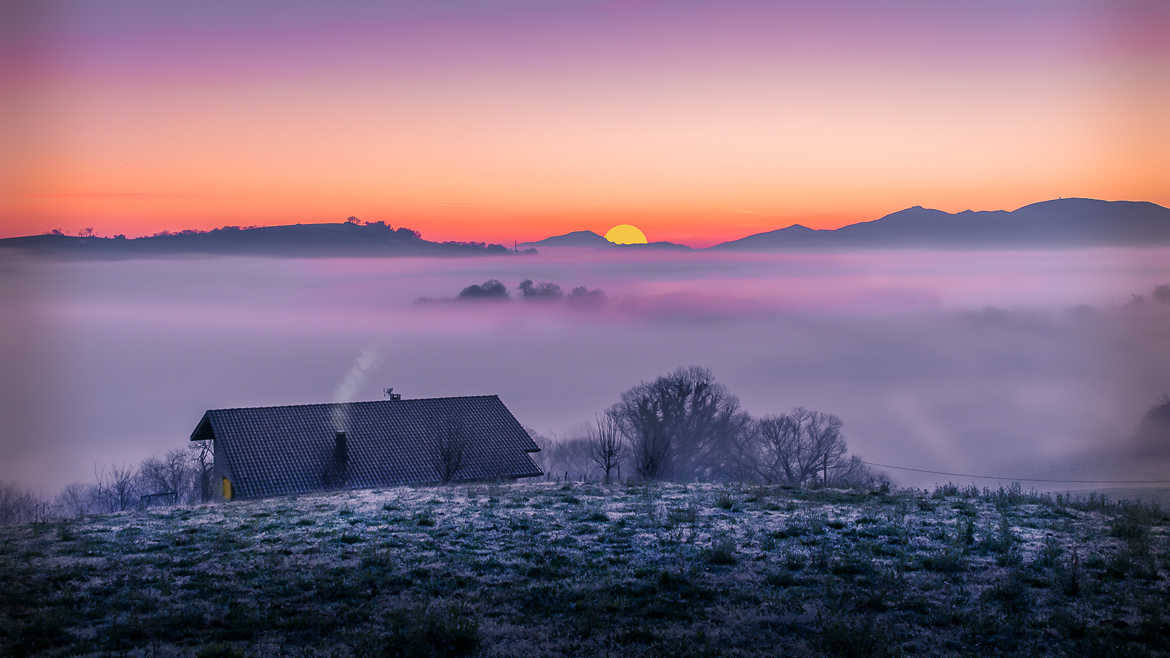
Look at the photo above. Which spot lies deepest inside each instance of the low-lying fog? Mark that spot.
(1024, 363)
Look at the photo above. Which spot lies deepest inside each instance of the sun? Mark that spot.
(625, 234)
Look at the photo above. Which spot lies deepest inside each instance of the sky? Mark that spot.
(515, 119)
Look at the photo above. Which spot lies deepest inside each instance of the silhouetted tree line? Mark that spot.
(533, 291)
(353, 236)
(177, 477)
(685, 426)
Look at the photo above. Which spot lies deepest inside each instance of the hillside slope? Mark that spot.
(545, 569)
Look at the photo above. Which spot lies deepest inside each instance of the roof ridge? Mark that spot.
(329, 404)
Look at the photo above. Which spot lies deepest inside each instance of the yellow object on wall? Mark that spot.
(227, 489)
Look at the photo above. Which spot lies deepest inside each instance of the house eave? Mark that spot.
(203, 431)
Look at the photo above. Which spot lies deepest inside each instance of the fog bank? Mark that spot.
(1023, 362)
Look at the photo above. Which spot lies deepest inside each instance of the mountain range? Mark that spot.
(1054, 223)
(1058, 222)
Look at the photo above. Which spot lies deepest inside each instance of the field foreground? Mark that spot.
(546, 569)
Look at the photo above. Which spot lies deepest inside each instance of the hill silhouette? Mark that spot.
(350, 238)
(1058, 222)
(1053, 223)
(589, 239)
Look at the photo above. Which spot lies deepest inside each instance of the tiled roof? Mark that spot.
(286, 450)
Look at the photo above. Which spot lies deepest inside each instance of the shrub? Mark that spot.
(725, 501)
(219, 650)
(1120, 565)
(721, 552)
(65, 532)
(945, 491)
(850, 566)
(966, 534)
(768, 543)
(1011, 593)
(450, 630)
(782, 579)
(794, 561)
(946, 561)
(1050, 552)
(1070, 576)
(853, 635)
(596, 516)
(1128, 527)
(679, 515)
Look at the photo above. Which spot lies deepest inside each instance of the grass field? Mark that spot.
(547, 569)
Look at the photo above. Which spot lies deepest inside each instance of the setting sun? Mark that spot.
(626, 234)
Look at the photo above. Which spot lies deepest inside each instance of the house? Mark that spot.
(274, 451)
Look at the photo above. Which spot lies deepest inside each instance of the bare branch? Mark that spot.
(606, 445)
(452, 444)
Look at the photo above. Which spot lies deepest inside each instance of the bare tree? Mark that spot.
(203, 459)
(607, 447)
(683, 425)
(799, 447)
(116, 489)
(452, 443)
(76, 499)
(642, 422)
(573, 456)
(854, 473)
(827, 443)
(18, 506)
(779, 457)
(170, 473)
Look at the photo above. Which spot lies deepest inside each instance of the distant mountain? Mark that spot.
(1059, 222)
(305, 240)
(592, 240)
(573, 239)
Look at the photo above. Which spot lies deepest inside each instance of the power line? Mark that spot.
(1013, 479)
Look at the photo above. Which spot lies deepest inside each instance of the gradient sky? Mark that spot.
(518, 119)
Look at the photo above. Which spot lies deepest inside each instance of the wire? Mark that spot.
(1013, 479)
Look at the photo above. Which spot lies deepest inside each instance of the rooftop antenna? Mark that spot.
(391, 394)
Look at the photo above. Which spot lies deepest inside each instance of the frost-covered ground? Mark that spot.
(546, 569)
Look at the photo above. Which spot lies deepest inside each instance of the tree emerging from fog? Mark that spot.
(607, 446)
(529, 291)
(542, 291)
(681, 426)
(799, 448)
(490, 289)
(584, 297)
(686, 426)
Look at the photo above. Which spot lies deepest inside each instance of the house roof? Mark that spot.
(285, 450)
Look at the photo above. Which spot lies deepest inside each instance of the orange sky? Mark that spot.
(696, 128)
